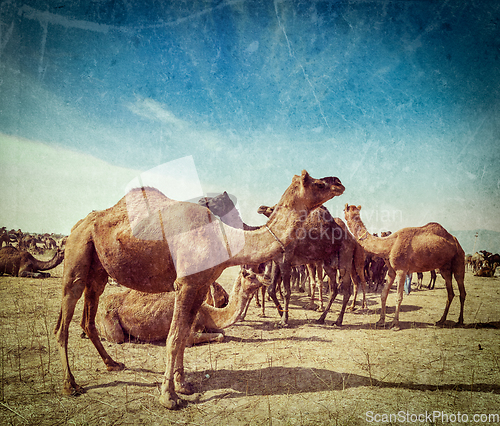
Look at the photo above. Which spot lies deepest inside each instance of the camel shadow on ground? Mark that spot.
(293, 380)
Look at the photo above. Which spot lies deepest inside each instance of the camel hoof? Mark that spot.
(320, 309)
(73, 390)
(321, 320)
(395, 327)
(117, 366)
(184, 388)
(380, 324)
(281, 325)
(169, 403)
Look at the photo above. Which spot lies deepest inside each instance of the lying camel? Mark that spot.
(147, 316)
(486, 271)
(20, 263)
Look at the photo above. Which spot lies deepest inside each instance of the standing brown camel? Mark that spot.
(20, 263)
(411, 250)
(151, 243)
(323, 240)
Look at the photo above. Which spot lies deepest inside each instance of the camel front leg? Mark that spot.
(197, 338)
(321, 275)
(311, 272)
(383, 297)
(285, 279)
(271, 290)
(345, 288)
(357, 283)
(187, 305)
(332, 280)
(401, 276)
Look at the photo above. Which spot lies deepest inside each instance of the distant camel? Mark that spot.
(413, 250)
(487, 271)
(19, 263)
(432, 282)
(490, 258)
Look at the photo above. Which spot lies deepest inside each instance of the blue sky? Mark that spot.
(399, 99)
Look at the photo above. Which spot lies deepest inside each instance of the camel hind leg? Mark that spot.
(463, 294)
(96, 283)
(446, 274)
(331, 272)
(76, 269)
(383, 297)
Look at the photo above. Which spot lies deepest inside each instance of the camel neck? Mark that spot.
(219, 318)
(262, 245)
(370, 243)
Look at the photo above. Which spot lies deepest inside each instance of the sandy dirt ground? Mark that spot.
(306, 374)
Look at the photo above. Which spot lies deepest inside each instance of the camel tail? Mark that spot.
(58, 324)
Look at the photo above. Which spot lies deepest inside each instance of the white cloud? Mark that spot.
(155, 111)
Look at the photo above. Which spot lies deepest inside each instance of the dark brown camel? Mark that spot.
(153, 244)
(20, 263)
(326, 240)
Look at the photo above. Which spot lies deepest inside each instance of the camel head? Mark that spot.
(352, 212)
(307, 193)
(219, 205)
(252, 281)
(266, 210)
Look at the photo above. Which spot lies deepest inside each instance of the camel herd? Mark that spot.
(35, 243)
(483, 263)
(16, 260)
(168, 254)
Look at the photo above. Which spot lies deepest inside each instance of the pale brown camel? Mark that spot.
(477, 261)
(20, 263)
(325, 241)
(409, 250)
(148, 316)
(151, 243)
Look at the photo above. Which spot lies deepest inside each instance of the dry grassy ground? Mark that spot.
(306, 374)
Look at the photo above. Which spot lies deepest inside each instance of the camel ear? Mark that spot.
(262, 209)
(346, 207)
(359, 207)
(305, 177)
